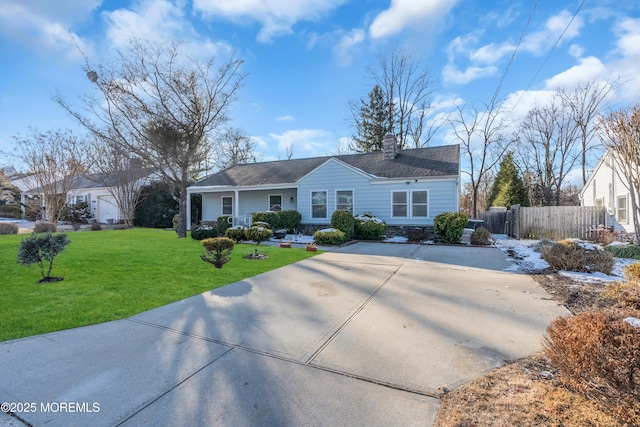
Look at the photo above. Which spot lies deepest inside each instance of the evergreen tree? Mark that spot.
(508, 188)
(372, 122)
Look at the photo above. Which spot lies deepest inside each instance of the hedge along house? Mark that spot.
(404, 188)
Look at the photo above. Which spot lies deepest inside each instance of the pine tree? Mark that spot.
(372, 122)
(508, 188)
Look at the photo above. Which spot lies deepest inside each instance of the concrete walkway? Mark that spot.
(367, 335)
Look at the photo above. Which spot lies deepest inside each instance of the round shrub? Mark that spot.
(624, 251)
(204, 232)
(343, 221)
(8, 228)
(217, 250)
(369, 227)
(569, 255)
(236, 233)
(626, 293)
(120, 227)
(270, 218)
(449, 226)
(289, 219)
(96, 226)
(329, 236)
(597, 354)
(44, 227)
(481, 236)
(258, 234)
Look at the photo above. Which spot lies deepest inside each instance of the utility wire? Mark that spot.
(548, 56)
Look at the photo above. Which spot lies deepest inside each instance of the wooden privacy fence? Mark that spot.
(553, 222)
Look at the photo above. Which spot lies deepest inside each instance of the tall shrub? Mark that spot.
(157, 206)
(289, 220)
(343, 220)
(258, 234)
(269, 217)
(449, 226)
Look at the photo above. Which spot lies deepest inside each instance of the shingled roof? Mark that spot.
(414, 163)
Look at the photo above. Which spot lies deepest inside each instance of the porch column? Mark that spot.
(188, 212)
(236, 202)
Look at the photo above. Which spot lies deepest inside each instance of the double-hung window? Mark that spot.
(319, 204)
(344, 200)
(275, 202)
(399, 204)
(409, 204)
(227, 205)
(419, 204)
(621, 206)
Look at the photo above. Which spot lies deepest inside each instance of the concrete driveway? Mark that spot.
(367, 335)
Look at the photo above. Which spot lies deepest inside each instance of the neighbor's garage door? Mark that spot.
(107, 209)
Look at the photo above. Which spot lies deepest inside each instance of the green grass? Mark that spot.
(111, 275)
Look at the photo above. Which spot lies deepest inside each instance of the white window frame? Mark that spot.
(407, 203)
(352, 199)
(79, 198)
(326, 204)
(269, 205)
(625, 209)
(426, 204)
(222, 205)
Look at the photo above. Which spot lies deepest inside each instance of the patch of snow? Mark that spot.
(633, 321)
(328, 230)
(396, 239)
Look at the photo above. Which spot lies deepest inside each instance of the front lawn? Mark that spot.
(111, 275)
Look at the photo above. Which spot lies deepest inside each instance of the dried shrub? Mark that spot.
(44, 227)
(96, 226)
(597, 354)
(8, 228)
(626, 293)
(481, 236)
(329, 236)
(218, 250)
(417, 234)
(624, 251)
(569, 255)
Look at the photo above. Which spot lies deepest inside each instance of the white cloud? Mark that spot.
(576, 51)
(44, 25)
(628, 44)
(286, 118)
(586, 70)
(305, 142)
(450, 74)
(409, 13)
(277, 17)
(348, 42)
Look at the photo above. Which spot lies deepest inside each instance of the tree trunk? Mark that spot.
(182, 206)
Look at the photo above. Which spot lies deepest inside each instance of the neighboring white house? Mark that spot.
(408, 187)
(607, 188)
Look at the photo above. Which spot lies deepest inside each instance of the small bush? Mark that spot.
(329, 236)
(417, 234)
(223, 223)
(44, 227)
(204, 232)
(8, 228)
(96, 226)
(78, 213)
(449, 226)
(41, 249)
(569, 255)
(626, 293)
(258, 234)
(481, 236)
(289, 219)
(369, 227)
(237, 233)
(120, 227)
(597, 354)
(343, 220)
(217, 250)
(268, 217)
(624, 251)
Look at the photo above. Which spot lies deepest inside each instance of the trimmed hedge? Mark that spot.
(290, 220)
(369, 227)
(237, 233)
(268, 217)
(449, 226)
(258, 234)
(343, 221)
(8, 228)
(44, 227)
(204, 232)
(329, 236)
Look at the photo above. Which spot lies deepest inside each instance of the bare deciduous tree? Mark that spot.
(54, 159)
(481, 142)
(232, 147)
(407, 88)
(162, 105)
(549, 148)
(620, 132)
(584, 104)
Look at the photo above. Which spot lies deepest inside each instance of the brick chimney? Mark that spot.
(389, 147)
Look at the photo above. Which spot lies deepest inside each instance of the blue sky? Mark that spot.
(306, 59)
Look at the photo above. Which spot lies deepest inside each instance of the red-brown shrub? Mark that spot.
(597, 354)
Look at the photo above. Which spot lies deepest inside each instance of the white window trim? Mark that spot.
(222, 205)
(626, 208)
(426, 202)
(269, 201)
(408, 204)
(353, 199)
(326, 192)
